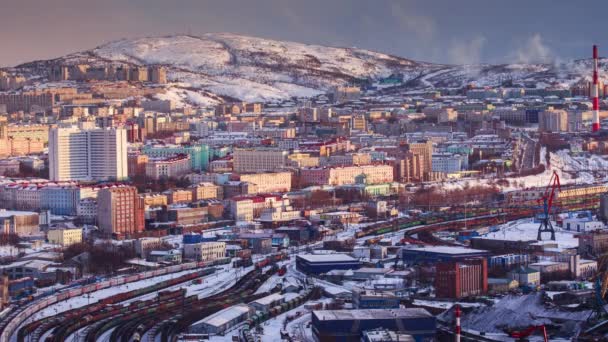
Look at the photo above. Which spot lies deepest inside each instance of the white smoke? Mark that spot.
(534, 51)
(466, 52)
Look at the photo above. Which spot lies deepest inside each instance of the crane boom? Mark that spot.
(547, 202)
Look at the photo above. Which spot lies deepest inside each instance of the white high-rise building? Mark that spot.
(95, 154)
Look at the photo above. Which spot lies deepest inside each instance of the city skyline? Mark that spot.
(433, 31)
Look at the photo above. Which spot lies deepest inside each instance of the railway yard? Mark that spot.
(168, 303)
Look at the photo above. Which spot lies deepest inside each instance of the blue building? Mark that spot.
(63, 200)
(508, 261)
(348, 325)
(199, 154)
(323, 263)
(434, 254)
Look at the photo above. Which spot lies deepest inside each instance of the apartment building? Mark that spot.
(204, 191)
(84, 155)
(369, 174)
(205, 251)
(269, 182)
(259, 160)
(120, 211)
(552, 120)
(65, 237)
(170, 167)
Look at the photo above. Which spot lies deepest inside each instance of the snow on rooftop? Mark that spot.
(222, 317)
(370, 314)
(268, 299)
(445, 249)
(527, 230)
(327, 257)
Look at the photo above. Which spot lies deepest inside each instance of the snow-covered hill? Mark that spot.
(256, 69)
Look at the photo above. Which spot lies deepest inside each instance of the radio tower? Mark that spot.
(595, 92)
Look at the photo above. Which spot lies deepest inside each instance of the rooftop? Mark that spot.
(446, 250)
(222, 317)
(268, 299)
(327, 257)
(344, 315)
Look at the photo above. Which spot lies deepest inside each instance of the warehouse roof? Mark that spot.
(268, 299)
(222, 317)
(327, 257)
(346, 315)
(445, 250)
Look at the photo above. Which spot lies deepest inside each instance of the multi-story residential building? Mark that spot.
(199, 154)
(259, 160)
(27, 101)
(449, 163)
(169, 167)
(65, 237)
(87, 210)
(22, 223)
(370, 174)
(64, 199)
(302, 160)
(282, 211)
(348, 159)
(205, 251)
(269, 182)
(280, 133)
(241, 209)
(204, 191)
(154, 200)
(33, 132)
(158, 74)
(409, 168)
(552, 120)
(143, 246)
(97, 154)
(179, 196)
(120, 211)
(136, 164)
(425, 150)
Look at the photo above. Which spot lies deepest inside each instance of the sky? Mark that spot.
(442, 31)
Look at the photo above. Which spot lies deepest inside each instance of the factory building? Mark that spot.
(348, 325)
(434, 254)
(459, 279)
(323, 263)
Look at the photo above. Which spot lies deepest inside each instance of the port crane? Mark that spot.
(547, 203)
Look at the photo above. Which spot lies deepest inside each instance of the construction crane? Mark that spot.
(529, 331)
(547, 203)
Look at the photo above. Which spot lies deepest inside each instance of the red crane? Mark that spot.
(529, 331)
(547, 202)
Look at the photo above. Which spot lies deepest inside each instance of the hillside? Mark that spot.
(256, 69)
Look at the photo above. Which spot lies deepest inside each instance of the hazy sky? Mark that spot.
(449, 31)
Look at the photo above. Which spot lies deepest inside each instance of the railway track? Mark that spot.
(113, 319)
(106, 307)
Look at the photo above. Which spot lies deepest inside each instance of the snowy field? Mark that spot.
(527, 229)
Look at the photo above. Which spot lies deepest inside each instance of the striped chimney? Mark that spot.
(457, 314)
(595, 92)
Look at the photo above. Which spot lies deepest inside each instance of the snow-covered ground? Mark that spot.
(586, 168)
(527, 229)
(519, 312)
(93, 297)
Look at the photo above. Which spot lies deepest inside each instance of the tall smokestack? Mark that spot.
(595, 92)
(457, 330)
